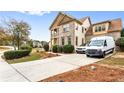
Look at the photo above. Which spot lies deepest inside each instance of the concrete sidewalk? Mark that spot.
(9, 74)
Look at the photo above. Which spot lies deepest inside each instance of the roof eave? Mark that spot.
(101, 23)
(54, 20)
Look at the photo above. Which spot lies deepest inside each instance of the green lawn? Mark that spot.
(32, 57)
(113, 61)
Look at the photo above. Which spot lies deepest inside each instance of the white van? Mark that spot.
(100, 46)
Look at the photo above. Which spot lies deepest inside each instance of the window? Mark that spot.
(66, 27)
(105, 43)
(96, 29)
(55, 32)
(76, 40)
(82, 29)
(97, 43)
(82, 41)
(103, 28)
(55, 29)
(69, 40)
(62, 39)
(99, 28)
(77, 28)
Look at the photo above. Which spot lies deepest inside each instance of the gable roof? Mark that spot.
(60, 16)
(107, 21)
(84, 18)
(71, 17)
(63, 16)
(66, 19)
(114, 25)
(113, 22)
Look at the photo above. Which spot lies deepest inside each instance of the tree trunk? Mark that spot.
(14, 44)
(18, 44)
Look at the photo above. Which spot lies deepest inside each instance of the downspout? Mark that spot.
(51, 40)
(74, 36)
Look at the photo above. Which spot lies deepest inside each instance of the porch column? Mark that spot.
(51, 39)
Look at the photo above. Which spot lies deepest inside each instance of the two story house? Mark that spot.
(66, 29)
(106, 28)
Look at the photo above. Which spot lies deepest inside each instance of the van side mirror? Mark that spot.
(105, 44)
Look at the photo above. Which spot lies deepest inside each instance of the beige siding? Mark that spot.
(115, 35)
(79, 32)
(101, 32)
(86, 25)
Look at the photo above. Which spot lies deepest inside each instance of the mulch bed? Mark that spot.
(48, 55)
(3, 48)
(88, 74)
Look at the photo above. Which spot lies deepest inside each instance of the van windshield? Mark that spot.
(96, 43)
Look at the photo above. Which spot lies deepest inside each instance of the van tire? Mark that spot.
(87, 55)
(112, 50)
(103, 55)
(77, 52)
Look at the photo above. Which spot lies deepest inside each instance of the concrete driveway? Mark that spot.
(41, 69)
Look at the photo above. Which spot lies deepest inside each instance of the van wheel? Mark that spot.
(112, 50)
(87, 55)
(103, 55)
(77, 52)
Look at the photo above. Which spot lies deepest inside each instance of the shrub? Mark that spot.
(120, 43)
(54, 49)
(16, 54)
(46, 47)
(68, 48)
(57, 49)
(122, 33)
(26, 47)
(60, 49)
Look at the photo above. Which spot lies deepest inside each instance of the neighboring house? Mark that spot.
(106, 28)
(37, 43)
(66, 29)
